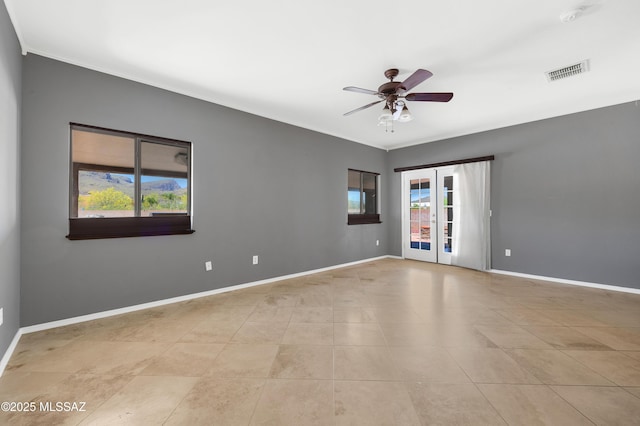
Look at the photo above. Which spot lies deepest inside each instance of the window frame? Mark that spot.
(363, 218)
(136, 226)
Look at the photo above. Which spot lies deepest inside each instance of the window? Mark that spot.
(362, 197)
(128, 185)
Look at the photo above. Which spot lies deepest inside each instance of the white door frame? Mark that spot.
(426, 255)
(438, 216)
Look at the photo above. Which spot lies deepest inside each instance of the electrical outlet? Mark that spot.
(208, 266)
(507, 252)
(377, 242)
(255, 260)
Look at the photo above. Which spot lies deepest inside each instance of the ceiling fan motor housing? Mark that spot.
(389, 88)
(391, 73)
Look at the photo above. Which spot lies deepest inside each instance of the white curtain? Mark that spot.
(472, 239)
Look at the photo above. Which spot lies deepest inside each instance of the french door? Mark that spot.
(428, 214)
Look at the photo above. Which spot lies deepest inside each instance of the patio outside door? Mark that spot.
(428, 213)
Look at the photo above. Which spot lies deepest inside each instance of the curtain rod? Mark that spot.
(445, 163)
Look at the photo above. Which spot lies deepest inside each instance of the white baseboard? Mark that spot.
(133, 308)
(7, 355)
(570, 282)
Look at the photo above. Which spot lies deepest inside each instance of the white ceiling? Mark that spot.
(288, 60)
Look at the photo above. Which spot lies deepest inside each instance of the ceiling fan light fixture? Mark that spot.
(385, 122)
(386, 115)
(405, 115)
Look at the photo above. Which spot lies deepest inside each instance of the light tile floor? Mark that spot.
(389, 342)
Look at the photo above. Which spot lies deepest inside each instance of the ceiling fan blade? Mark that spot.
(363, 107)
(359, 90)
(414, 79)
(429, 97)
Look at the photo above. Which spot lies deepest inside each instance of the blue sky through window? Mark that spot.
(143, 179)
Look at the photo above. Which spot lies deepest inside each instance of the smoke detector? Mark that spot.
(584, 8)
(572, 15)
(568, 71)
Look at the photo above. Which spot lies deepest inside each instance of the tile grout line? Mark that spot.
(570, 404)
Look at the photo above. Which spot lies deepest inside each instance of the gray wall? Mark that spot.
(260, 188)
(565, 194)
(10, 96)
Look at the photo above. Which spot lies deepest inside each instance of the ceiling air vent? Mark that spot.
(568, 71)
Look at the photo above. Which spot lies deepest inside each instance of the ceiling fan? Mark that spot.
(394, 94)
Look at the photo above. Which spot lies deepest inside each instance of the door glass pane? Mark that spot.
(163, 184)
(414, 213)
(415, 234)
(414, 199)
(419, 214)
(448, 183)
(448, 213)
(425, 214)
